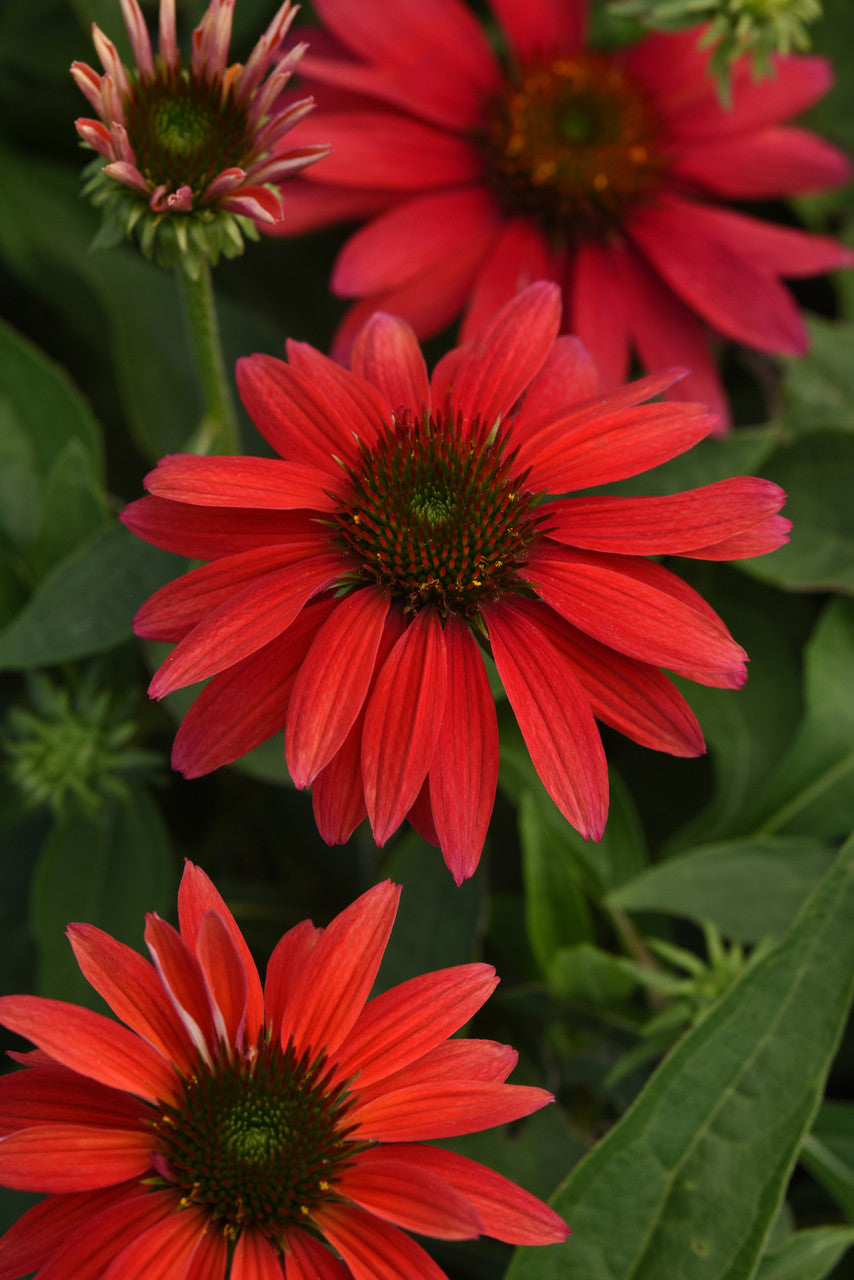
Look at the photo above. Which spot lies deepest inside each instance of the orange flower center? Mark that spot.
(573, 144)
(182, 131)
(433, 516)
(256, 1141)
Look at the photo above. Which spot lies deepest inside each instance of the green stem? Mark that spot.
(218, 431)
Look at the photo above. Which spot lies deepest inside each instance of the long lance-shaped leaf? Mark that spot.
(688, 1183)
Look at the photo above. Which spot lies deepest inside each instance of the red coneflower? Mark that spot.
(408, 527)
(608, 172)
(232, 1129)
(190, 150)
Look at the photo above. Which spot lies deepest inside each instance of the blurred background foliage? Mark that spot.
(716, 914)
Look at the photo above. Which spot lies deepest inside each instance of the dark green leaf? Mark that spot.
(690, 1180)
(106, 868)
(828, 1153)
(749, 888)
(807, 1255)
(556, 910)
(819, 385)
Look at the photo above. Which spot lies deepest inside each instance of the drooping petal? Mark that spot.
(87, 1252)
(507, 1212)
(133, 990)
(241, 626)
(373, 1249)
(464, 772)
(758, 541)
(404, 1023)
(598, 311)
(765, 165)
(163, 1251)
(31, 1240)
(402, 722)
(306, 1259)
(372, 142)
(331, 988)
(517, 257)
(205, 533)
(91, 1044)
(423, 1112)
(554, 715)
(245, 705)
(73, 1157)
(243, 482)
(333, 681)
(412, 1198)
(210, 1257)
(667, 525)
(455, 1059)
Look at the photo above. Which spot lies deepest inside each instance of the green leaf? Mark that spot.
(106, 868)
(816, 472)
(811, 792)
(437, 923)
(73, 507)
(690, 1180)
(588, 975)
(819, 385)
(556, 911)
(828, 1153)
(749, 888)
(86, 603)
(741, 453)
(807, 1255)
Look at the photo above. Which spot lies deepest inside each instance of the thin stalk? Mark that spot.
(218, 431)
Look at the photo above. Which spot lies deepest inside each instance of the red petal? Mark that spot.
(598, 311)
(210, 1257)
(246, 705)
(464, 772)
(333, 681)
(625, 604)
(567, 379)
(131, 987)
(88, 1252)
(423, 1112)
(386, 353)
(254, 616)
(289, 955)
(332, 986)
(292, 414)
(758, 541)
(538, 33)
(402, 722)
(633, 697)
(407, 1021)
(507, 1212)
(163, 1251)
(412, 1198)
(554, 715)
(91, 1044)
(358, 403)
(760, 166)
(254, 1258)
(244, 482)
(374, 142)
(610, 441)
(184, 980)
(668, 525)
(206, 534)
(517, 256)
(55, 1095)
(224, 971)
(716, 276)
(173, 611)
(373, 1249)
(453, 1060)
(502, 359)
(31, 1240)
(308, 1260)
(198, 896)
(73, 1157)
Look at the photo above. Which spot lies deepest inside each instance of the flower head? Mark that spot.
(408, 527)
(232, 1129)
(191, 164)
(608, 172)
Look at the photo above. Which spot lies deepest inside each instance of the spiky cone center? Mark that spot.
(433, 517)
(573, 144)
(185, 131)
(256, 1141)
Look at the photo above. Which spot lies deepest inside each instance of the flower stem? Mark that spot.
(218, 431)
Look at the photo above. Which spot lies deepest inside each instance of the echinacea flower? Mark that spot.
(267, 1133)
(189, 151)
(608, 172)
(408, 526)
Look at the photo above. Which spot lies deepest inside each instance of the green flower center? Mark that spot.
(183, 133)
(433, 517)
(256, 1142)
(573, 145)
